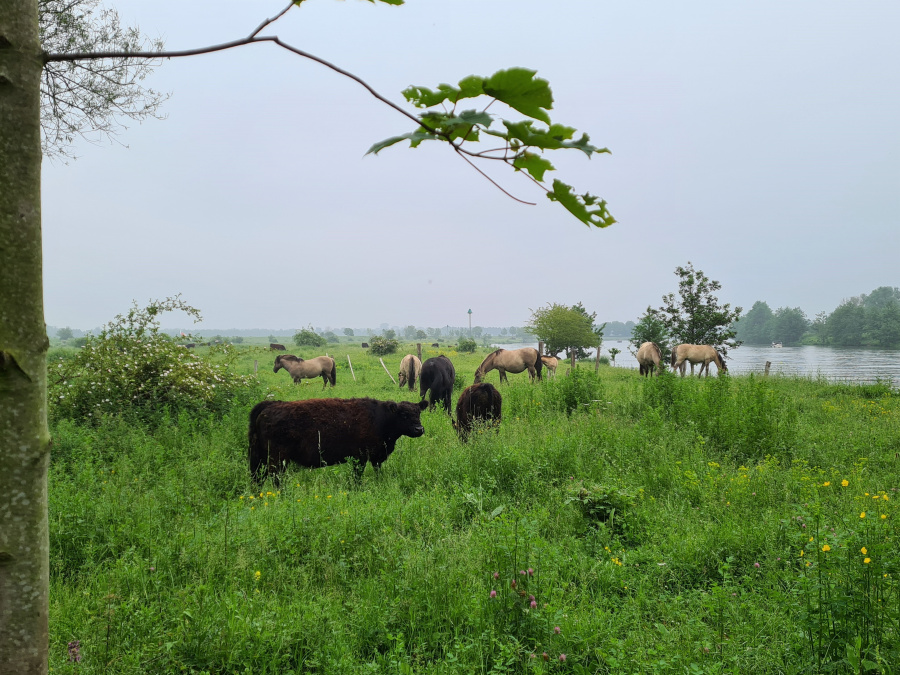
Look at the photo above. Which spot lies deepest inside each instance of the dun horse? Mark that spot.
(648, 358)
(298, 368)
(550, 363)
(703, 354)
(410, 369)
(511, 360)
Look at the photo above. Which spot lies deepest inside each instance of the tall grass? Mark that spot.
(612, 525)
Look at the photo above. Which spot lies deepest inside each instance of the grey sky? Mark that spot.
(758, 140)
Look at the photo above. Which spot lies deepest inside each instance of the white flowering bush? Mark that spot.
(132, 367)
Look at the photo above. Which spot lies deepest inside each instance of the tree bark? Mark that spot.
(24, 437)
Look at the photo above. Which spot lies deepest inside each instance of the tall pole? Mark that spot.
(470, 323)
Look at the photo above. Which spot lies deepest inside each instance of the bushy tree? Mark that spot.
(421, 335)
(651, 327)
(409, 332)
(348, 332)
(561, 327)
(789, 325)
(331, 337)
(381, 345)
(756, 327)
(131, 367)
(694, 315)
(389, 334)
(466, 345)
(64, 333)
(307, 337)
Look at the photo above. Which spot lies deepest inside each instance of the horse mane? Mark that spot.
(658, 350)
(290, 357)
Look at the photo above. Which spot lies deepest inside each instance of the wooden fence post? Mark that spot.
(351, 367)
(768, 365)
(256, 367)
(597, 360)
(387, 371)
(419, 350)
(540, 347)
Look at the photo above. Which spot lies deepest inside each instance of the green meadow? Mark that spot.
(613, 524)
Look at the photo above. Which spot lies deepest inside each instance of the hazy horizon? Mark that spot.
(758, 142)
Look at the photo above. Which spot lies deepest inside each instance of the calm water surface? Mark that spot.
(850, 364)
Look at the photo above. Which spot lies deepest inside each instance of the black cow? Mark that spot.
(277, 347)
(479, 403)
(435, 344)
(438, 375)
(322, 432)
(365, 345)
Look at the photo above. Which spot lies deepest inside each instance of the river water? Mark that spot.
(837, 364)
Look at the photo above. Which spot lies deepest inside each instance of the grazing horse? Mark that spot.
(550, 363)
(648, 358)
(410, 368)
(512, 360)
(300, 368)
(703, 354)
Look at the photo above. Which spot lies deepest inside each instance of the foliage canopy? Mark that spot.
(694, 315)
(561, 327)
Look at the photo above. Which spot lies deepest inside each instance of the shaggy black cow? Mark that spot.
(322, 432)
(277, 347)
(438, 375)
(479, 403)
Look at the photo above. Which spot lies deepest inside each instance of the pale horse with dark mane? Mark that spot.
(299, 368)
(513, 361)
(648, 357)
(702, 354)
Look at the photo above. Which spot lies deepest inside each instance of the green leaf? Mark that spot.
(555, 137)
(422, 97)
(533, 164)
(521, 90)
(415, 138)
(579, 205)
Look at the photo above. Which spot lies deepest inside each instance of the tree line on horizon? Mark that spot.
(867, 320)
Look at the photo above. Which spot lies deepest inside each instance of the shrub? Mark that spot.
(467, 345)
(578, 389)
(131, 367)
(379, 346)
(307, 337)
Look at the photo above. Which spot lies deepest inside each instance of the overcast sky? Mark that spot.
(759, 141)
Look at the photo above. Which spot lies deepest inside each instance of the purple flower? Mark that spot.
(522, 572)
(496, 575)
(756, 565)
(512, 583)
(531, 597)
(74, 651)
(546, 656)
(530, 572)
(493, 593)
(562, 657)
(533, 604)
(556, 629)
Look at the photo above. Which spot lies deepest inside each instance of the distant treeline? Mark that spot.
(871, 320)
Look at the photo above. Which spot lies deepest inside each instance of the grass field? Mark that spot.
(612, 525)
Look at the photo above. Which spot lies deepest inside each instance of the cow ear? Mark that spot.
(423, 404)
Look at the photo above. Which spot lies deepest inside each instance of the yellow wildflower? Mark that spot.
(883, 516)
(257, 575)
(826, 548)
(826, 483)
(863, 550)
(862, 515)
(845, 483)
(866, 561)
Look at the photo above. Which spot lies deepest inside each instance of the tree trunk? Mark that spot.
(24, 438)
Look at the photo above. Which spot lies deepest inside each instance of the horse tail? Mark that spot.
(674, 356)
(332, 376)
(538, 364)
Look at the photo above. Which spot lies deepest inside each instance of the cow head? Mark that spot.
(407, 417)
